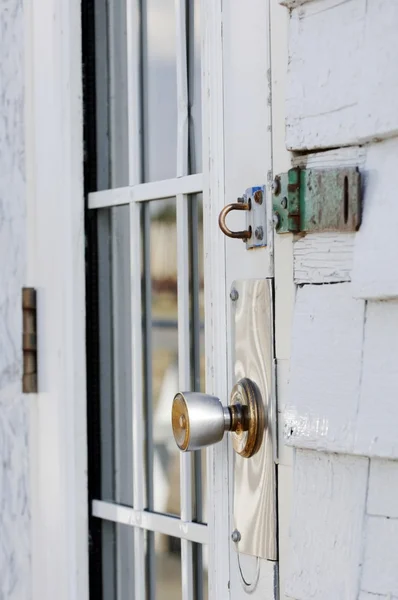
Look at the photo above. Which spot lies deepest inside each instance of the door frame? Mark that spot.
(215, 299)
(56, 268)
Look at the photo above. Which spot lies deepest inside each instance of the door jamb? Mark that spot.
(55, 266)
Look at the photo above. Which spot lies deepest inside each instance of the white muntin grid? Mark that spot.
(182, 187)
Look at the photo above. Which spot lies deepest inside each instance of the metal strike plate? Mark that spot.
(254, 501)
(309, 200)
(256, 216)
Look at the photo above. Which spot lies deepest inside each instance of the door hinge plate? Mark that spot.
(309, 200)
(29, 341)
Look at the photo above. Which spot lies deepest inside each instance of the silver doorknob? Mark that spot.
(199, 420)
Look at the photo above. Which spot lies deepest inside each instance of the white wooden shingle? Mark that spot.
(343, 82)
(380, 572)
(326, 531)
(378, 406)
(383, 488)
(375, 267)
(325, 368)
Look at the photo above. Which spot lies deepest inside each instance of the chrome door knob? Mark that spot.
(199, 420)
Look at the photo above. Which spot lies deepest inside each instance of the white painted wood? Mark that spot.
(377, 414)
(15, 428)
(55, 265)
(327, 525)
(375, 272)
(185, 530)
(383, 488)
(325, 368)
(380, 573)
(215, 292)
(184, 316)
(154, 190)
(284, 285)
(333, 100)
(323, 258)
(135, 171)
(247, 120)
(368, 596)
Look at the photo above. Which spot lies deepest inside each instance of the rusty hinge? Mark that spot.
(29, 341)
(305, 200)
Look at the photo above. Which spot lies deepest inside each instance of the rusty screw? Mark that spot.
(258, 197)
(259, 233)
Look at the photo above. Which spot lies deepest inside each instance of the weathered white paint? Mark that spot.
(327, 522)
(383, 488)
(333, 98)
(367, 596)
(325, 368)
(375, 270)
(323, 258)
(218, 467)
(15, 497)
(378, 410)
(55, 265)
(380, 573)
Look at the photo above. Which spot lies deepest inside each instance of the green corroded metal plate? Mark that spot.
(306, 200)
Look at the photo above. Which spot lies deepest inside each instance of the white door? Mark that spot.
(244, 147)
(160, 276)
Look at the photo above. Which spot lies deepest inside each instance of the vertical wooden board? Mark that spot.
(375, 270)
(326, 532)
(247, 123)
(325, 368)
(378, 408)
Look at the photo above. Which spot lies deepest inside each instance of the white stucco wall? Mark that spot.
(342, 98)
(14, 407)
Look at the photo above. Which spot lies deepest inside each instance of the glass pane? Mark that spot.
(194, 86)
(200, 555)
(159, 90)
(164, 354)
(168, 567)
(115, 355)
(197, 338)
(111, 93)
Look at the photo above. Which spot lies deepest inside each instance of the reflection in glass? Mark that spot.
(159, 89)
(163, 355)
(168, 567)
(194, 87)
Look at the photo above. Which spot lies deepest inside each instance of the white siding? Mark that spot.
(14, 408)
(326, 531)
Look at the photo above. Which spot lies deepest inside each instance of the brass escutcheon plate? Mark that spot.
(248, 434)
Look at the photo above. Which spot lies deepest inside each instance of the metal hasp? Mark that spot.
(309, 200)
(254, 499)
(253, 202)
(29, 341)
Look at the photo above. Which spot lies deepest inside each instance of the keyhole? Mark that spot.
(346, 199)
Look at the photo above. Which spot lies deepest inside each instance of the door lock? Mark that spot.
(199, 420)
